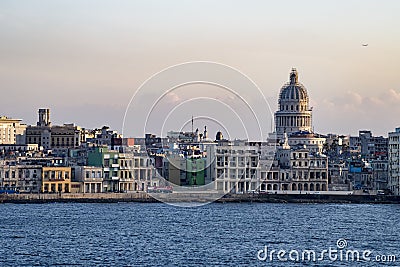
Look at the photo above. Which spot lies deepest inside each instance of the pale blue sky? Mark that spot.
(85, 59)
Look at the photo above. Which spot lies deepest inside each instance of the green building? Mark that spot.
(195, 169)
(108, 160)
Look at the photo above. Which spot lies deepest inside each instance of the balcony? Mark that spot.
(114, 165)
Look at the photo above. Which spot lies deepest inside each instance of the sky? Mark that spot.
(86, 59)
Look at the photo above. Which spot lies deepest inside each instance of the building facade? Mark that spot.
(58, 136)
(21, 178)
(236, 168)
(89, 178)
(56, 179)
(394, 162)
(135, 172)
(11, 131)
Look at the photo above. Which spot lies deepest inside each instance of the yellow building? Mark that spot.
(56, 179)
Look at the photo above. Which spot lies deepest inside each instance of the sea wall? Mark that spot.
(76, 197)
(193, 197)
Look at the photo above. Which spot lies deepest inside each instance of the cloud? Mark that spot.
(173, 98)
(353, 111)
(354, 101)
(392, 96)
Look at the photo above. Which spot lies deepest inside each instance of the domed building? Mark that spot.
(294, 114)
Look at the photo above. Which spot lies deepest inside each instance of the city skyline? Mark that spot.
(200, 133)
(86, 65)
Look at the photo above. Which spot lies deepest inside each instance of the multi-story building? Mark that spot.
(181, 170)
(373, 147)
(48, 136)
(90, 178)
(380, 174)
(296, 169)
(313, 142)
(369, 146)
(269, 176)
(29, 178)
(109, 161)
(174, 169)
(361, 174)
(236, 167)
(136, 172)
(105, 137)
(8, 175)
(338, 177)
(56, 179)
(11, 131)
(394, 162)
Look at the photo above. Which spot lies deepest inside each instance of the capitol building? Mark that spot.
(294, 114)
(293, 120)
(298, 164)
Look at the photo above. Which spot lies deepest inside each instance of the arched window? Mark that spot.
(311, 187)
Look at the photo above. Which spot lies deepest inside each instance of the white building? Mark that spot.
(135, 172)
(313, 142)
(236, 167)
(394, 162)
(11, 131)
(90, 177)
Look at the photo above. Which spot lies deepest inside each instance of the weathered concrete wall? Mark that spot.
(76, 197)
(200, 197)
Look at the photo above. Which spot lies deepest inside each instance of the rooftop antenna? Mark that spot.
(192, 125)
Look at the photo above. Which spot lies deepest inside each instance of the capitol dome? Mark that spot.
(293, 90)
(294, 114)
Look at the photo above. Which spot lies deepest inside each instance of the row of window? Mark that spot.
(312, 164)
(56, 175)
(294, 107)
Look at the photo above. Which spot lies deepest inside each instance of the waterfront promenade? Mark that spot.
(199, 197)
